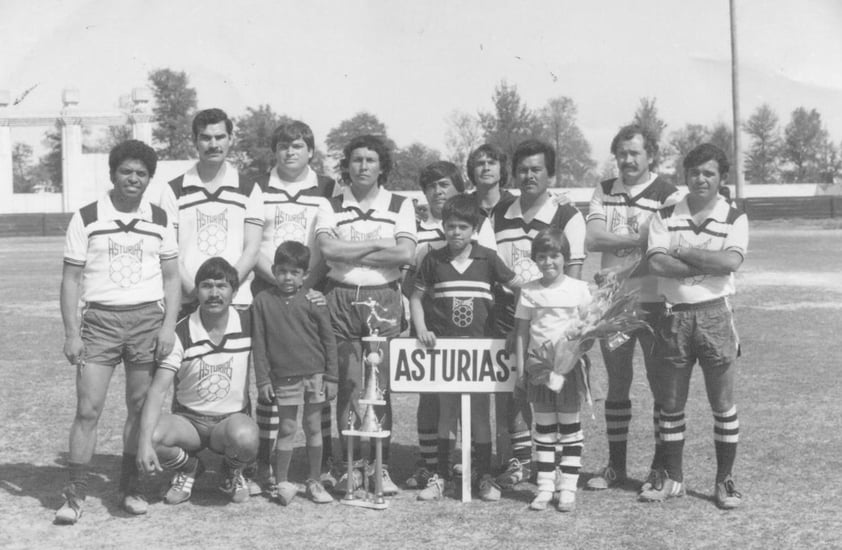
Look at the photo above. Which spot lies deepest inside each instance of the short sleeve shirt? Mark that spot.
(213, 224)
(390, 216)
(211, 379)
(725, 229)
(120, 252)
(461, 302)
(551, 309)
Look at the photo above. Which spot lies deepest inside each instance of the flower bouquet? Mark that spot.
(613, 312)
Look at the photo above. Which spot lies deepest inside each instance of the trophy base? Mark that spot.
(365, 503)
(382, 434)
(373, 402)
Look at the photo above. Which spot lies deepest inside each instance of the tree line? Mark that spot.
(801, 151)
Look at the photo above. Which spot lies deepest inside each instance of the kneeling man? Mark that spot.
(209, 364)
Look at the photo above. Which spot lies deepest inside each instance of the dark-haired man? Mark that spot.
(617, 226)
(209, 366)
(216, 211)
(695, 247)
(121, 259)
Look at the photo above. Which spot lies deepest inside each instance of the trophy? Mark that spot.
(370, 426)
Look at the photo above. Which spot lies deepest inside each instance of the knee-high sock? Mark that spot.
(327, 434)
(658, 457)
(268, 422)
(617, 419)
(545, 437)
(572, 440)
(726, 434)
(672, 434)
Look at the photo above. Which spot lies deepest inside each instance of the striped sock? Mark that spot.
(428, 445)
(726, 434)
(572, 440)
(178, 462)
(545, 438)
(327, 434)
(658, 457)
(672, 428)
(617, 419)
(522, 446)
(79, 474)
(268, 422)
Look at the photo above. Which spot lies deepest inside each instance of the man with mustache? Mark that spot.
(617, 226)
(216, 211)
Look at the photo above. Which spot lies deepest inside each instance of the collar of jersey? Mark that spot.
(199, 334)
(293, 187)
(545, 214)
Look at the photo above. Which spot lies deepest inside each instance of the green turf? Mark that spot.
(788, 466)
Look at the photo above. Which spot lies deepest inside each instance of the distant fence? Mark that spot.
(757, 208)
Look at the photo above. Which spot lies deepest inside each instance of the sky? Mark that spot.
(412, 63)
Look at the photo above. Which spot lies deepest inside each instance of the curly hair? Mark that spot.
(135, 150)
(493, 152)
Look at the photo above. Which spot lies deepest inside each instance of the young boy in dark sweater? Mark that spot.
(295, 365)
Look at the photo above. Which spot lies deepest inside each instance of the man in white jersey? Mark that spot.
(216, 211)
(618, 226)
(695, 247)
(295, 198)
(515, 223)
(209, 366)
(372, 234)
(120, 252)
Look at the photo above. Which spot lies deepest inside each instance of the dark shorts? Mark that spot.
(300, 390)
(350, 320)
(203, 423)
(125, 333)
(701, 332)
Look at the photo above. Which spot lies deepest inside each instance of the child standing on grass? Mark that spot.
(452, 298)
(544, 311)
(295, 365)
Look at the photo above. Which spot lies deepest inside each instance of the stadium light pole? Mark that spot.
(735, 103)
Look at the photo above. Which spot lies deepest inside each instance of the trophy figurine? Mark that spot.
(369, 426)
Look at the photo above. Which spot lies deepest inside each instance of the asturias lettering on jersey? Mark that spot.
(725, 229)
(120, 252)
(211, 379)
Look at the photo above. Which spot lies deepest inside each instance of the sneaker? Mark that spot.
(181, 486)
(316, 492)
(516, 472)
(607, 478)
(727, 496)
(389, 487)
(356, 480)
(328, 478)
(420, 477)
(283, 493)
(669, 489)
(135, 503)
(234, 485)
(71, 510)
(252, 477)
(434, 490)
(566, 501)
(488, 489)
(541, 501)
(655, 480)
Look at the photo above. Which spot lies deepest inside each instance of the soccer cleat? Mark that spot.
(516, 472)
(316, 492)
(655, 480)
(420, 477)
(488, 489)
(434, 490)
(234, 485)
(283, 493)
(609, 477)
(135, 504)
(181, 486)
(669, 489)
(727, 496)
(388, 486)
(541, 501)
(328, 478)
(566, 501)
(71, 510)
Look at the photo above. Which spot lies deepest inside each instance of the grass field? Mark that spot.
(789, 466)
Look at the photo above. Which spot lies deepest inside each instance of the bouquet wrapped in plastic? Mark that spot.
(613, 312)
